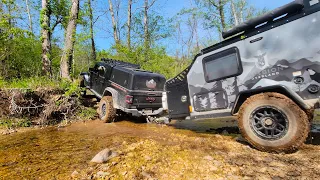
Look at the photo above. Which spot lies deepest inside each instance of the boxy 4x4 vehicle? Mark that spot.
(124, 88)
(266, 72)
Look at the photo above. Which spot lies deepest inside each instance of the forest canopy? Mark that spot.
(57, 38)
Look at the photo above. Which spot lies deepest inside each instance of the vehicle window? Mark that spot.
(222, 65)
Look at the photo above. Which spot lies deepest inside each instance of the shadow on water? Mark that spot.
(229, 127)
(225, 126)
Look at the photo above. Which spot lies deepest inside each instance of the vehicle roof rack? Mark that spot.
(288, 9)
(114, 63)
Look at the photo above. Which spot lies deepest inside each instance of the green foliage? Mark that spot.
(70, 88)
(159, 28)
(87, 113)
(30, 83)
(157, 59)
(14, 123)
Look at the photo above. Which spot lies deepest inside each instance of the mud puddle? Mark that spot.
(183, 150)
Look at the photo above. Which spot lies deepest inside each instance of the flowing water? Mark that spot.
(54, 153)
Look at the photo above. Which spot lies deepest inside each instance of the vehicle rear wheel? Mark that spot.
(274, 123)
(106, 111)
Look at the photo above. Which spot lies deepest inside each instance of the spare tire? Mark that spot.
(272, 122)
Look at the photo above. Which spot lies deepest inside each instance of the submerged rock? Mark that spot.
(209, 158)
(102, 174)
(75, 174)
(103, 156)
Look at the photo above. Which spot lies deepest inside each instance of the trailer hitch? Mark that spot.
(158, 120)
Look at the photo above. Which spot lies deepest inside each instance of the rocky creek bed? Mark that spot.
(144, 151)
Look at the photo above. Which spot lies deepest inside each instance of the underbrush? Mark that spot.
(69, 88)
(41, 101)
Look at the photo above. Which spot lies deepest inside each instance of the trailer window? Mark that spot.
(222, 65)
(313, 2)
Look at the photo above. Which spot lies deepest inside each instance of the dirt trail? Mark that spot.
(147, 152)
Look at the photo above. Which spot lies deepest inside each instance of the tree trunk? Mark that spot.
(146, 25)
(234, 14)
(93, 46)
(29, 17)
(66, 59)
(243, 5)
(114, 23)
(129, 23)
(45, 37)
(222, 16)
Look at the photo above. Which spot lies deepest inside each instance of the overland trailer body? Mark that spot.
(264, 67)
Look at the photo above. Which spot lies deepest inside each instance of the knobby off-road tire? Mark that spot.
(106, 111)
(289, 123)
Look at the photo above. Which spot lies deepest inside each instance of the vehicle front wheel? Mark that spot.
(106, 111)
(274, 123)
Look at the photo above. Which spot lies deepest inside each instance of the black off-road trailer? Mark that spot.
(265, 72)
(124, 87)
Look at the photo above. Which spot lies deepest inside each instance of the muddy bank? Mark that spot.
(24, 107)
(146, 151)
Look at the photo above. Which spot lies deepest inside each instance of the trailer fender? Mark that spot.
(244, 95)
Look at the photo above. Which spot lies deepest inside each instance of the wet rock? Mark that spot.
(213, 168)
(75, 174)
(103, 156)
(240, 139)
(294, 173)
(145, 174)
(225, 132)
(148, 158)
(209, 158)
(102, 174)
(9, 131)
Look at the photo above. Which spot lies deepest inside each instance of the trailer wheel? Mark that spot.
(274, 123)
(106, 111)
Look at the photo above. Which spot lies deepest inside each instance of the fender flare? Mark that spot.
(282, 89)
(114, 94)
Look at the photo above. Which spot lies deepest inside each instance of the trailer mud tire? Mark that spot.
(272, 122)
(106, 111)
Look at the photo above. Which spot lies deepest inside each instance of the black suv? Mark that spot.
(124, 87)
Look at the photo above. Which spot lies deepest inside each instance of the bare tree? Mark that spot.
(29, 16)
(239, 11)
(114, 23)
(66, 59)
(129, 23)
(147, 7)
(220, 5)
(234, 13)
(46, 39)
(93, 46)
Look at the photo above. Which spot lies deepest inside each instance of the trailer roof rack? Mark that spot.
(114, 63)
(286, 10)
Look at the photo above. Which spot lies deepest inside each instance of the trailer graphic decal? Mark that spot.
(274, 60)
